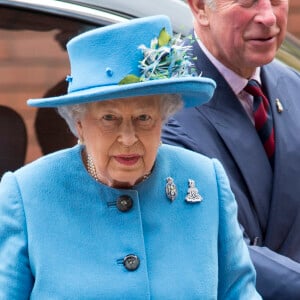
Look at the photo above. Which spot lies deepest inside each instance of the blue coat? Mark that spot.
(63, 237)
(269, 203)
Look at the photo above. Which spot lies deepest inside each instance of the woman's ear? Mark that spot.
(198, 8)
(79, 131)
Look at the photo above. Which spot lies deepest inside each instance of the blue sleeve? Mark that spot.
(237, 276)
(277, 276)
(15, 276)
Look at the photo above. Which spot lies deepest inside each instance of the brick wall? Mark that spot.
(30, 64)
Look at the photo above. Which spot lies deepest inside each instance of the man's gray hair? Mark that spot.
(210, 3)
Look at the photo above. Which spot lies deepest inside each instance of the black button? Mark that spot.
(124, 203)
(131, 262)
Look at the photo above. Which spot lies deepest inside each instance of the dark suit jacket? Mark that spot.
(269, 201)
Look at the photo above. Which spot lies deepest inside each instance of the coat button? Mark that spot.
(131, 262)
(124, 203)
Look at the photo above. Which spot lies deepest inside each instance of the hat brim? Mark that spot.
(194, 91)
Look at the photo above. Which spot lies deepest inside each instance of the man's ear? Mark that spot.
(198, 9)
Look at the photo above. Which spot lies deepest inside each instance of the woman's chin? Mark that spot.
(124, 181)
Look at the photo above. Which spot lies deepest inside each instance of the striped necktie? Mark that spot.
(262, 117)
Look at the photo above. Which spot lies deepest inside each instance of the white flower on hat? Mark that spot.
(167, 57)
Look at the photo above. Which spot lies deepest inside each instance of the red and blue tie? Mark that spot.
(262, 117)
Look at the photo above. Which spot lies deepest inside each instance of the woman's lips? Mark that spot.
(127, 160)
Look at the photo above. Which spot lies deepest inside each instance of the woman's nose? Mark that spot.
(127, 135)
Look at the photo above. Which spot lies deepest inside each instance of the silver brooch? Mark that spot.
(192, 193)
(279, 106)
(171, 189)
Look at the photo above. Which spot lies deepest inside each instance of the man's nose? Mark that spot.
(265, 13)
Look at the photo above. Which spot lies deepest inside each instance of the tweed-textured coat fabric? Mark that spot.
(63, 237)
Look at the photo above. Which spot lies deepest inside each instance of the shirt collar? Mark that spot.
(235, 81)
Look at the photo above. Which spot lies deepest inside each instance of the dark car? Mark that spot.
(34, 64)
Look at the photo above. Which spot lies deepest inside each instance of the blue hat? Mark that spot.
(135, 58)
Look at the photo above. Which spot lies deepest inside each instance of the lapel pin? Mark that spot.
(279, 105)
(171, 189)
(193, 195)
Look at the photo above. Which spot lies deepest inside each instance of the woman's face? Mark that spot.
(122, 137)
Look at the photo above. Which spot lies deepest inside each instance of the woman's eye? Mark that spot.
(109, 122)
(144, 121)
(109, 117)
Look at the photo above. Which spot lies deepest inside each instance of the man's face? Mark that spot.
(244, 34)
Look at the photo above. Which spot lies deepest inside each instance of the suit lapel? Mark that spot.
(286, 189)
(226, 113)
(276, 87)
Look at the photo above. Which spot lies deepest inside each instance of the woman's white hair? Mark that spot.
(169, 105)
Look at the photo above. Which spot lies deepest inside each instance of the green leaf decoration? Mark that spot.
(163, 38)
(131, 78)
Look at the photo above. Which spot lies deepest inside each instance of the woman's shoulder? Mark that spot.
(174, 158)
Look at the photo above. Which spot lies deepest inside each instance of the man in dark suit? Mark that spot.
(235, 41)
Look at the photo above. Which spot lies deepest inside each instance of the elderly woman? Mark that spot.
(121, 216)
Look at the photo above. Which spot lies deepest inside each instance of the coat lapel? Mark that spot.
(284, 215)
